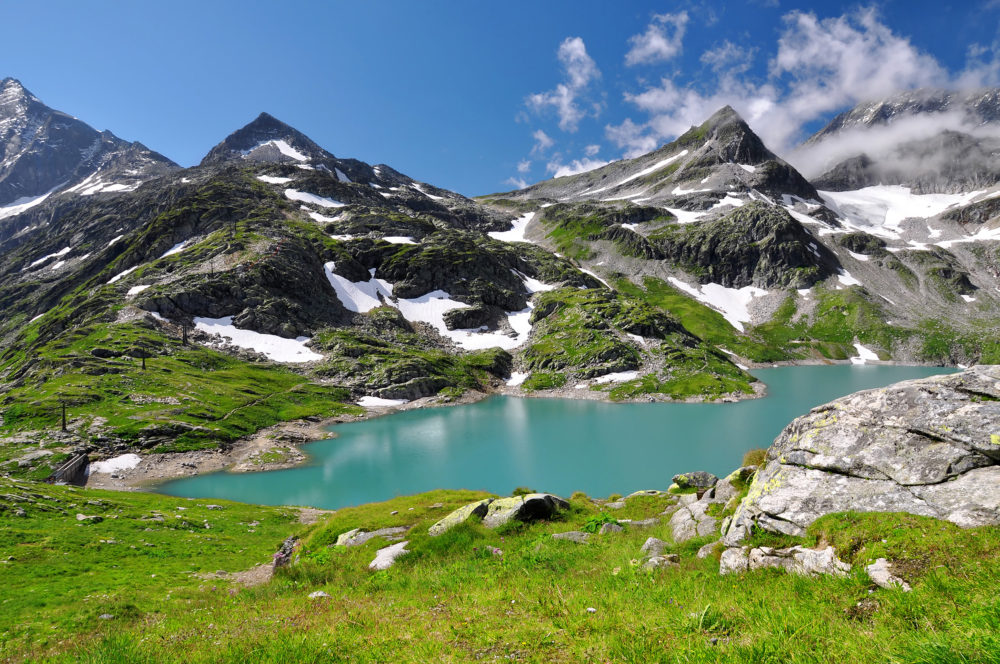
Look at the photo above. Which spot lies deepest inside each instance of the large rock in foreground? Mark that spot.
(523, 508)
(497, 511)
(929, 447)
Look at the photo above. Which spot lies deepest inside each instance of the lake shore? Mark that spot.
(282, 446)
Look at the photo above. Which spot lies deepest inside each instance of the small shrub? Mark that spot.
(522, 491)
(755, 457)
(594, 523)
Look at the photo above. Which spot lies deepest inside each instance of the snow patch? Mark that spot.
(340, 175)
(271, 179)
(968, 298)
(283, 147)
(431, 196)
(685, 216)
(378, 402)
(516, 233)
(122, 274)
(135, 290)
(617, 377)
(730, 302)
(585, 271)
(399, 239)
(114, 464)
(728, 200)
(305, 197)
(21, 204)
(517, 378)
(59, 254)
(176, 249)
(858, 257)
(274, 347)
(864, 355)
(845, 278)
(316, 216)
(115, 239)
(363, 296)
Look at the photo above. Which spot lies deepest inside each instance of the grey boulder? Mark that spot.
(929, 447)
(530, 507)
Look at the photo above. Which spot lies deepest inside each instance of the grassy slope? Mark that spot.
(215, 397)
(453, 600)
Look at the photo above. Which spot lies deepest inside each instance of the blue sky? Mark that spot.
(477, 97)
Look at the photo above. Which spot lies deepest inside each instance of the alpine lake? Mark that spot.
(554, 445)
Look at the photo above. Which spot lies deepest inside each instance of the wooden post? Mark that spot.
(143, 361)
(184, 334)
(63, 405)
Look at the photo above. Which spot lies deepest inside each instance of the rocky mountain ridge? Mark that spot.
(653, 278)
(43, 151)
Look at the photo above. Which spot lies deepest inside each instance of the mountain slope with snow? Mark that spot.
(43, 151)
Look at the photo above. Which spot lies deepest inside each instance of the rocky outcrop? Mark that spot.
(756, 245)
(495, 512)
(693, 518)
(357, 536)
(796, 560)
(461, 515)
(929, 447)
(699, 479)
(386, 558)
(530, 507)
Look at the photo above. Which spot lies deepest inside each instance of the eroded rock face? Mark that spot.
(929, 447)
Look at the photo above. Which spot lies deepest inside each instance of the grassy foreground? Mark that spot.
(151, 565)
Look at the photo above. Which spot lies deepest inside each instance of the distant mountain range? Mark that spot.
(660, 277)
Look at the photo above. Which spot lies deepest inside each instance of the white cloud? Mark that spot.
(579, 71)
(523, 166)
(558, 169)
(542, 142)
(520, 183)
(592, 150)
(662, 40)
(820, 66)
(730, 58)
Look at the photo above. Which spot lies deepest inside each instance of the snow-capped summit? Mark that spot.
(267, 139)
(43, 150)
(722, 162)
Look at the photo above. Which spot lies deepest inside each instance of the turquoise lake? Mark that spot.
(555, 445)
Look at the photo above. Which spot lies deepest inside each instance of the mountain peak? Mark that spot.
(267, 139)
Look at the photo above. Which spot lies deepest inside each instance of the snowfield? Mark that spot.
(274, 347)
(305, 197)
(516, 233)
(21, 204)
(271, 179)
(879, 210)
(114, 464)
(430, 308)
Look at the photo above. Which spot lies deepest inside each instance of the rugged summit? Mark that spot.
(43, 150)
(700, 169)
(930, 140)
